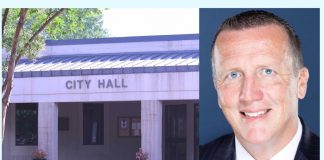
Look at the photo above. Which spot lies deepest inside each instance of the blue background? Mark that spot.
(305, 22)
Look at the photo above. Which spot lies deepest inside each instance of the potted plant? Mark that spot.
(141, 155)
(39, 154)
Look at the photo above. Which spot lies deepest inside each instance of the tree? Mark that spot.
(24, 32)
(88, 24)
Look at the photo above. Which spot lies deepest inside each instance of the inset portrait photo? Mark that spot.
(259, 84)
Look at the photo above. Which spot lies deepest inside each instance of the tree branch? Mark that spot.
(41, 29)
(17, 59)
(11, 66)
(47, 22)
(4, 19)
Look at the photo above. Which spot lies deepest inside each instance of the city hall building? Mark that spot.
(103, 99)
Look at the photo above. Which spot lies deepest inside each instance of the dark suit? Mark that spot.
(224, 147)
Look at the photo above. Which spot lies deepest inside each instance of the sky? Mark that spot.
(149, 21)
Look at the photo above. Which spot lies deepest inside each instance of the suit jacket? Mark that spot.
(224, 147)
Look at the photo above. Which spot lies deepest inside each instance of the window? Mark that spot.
(26, 124)
(93, 131)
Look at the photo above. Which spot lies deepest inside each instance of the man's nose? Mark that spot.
(250, 90)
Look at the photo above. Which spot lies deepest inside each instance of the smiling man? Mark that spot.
(259, 75)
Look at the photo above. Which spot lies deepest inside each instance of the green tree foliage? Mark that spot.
(78, 24)
(24, 32)
(71, 24)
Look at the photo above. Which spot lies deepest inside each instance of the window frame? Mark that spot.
(26, 106)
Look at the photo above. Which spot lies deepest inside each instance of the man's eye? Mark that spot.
(267, 72)
(234, 75)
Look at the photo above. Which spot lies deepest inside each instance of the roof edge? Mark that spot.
(123, 39)
(107, 71)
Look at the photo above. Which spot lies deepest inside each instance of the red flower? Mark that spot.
(39, 154)
(141, 155)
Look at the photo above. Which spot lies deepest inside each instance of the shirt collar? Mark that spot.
(288, 152)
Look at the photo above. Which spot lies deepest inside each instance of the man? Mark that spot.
(259, 76)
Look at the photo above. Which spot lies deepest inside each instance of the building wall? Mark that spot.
(99, 48)
(141, 86)
(70, 142)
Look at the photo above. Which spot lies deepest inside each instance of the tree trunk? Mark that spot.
(11, 67)
(15, 57)
(4, 19)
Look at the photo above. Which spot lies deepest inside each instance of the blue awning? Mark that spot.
(102, 64)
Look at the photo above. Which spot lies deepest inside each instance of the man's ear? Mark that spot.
(302, 82)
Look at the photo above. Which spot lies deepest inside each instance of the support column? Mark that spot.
(151, 126)
(48, 129)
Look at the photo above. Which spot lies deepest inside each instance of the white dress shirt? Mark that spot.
(288, 152)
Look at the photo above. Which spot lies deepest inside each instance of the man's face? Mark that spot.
(256, 85)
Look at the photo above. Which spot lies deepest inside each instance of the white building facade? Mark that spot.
(106, 98)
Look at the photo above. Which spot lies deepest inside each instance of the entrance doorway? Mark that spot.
(175, 132)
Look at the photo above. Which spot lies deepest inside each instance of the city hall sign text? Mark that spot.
(100, 83)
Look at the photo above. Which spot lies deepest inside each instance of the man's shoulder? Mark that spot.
(220, 148)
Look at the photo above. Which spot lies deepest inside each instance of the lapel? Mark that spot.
(229, 149)
(308, 147)
(219, 149)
